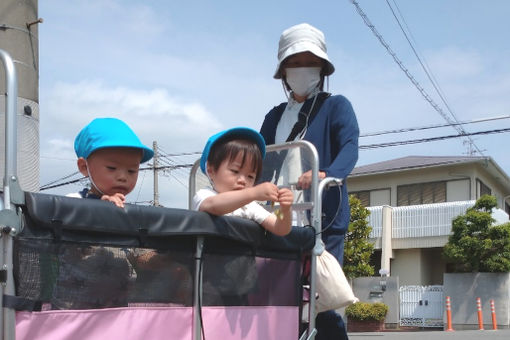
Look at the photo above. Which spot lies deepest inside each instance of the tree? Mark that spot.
(477, 245)
(358, 249)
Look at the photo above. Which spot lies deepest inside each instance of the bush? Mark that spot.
(367, 311)
(476, 245)
(357, 248)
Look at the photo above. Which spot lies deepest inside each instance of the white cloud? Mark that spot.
(177, 125)
(149, 112)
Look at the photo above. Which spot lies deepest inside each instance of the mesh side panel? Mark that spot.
(246, 280)
(77, 276)
(91, 277)
(35, 269)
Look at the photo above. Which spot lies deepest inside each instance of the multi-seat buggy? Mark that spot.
(84, 269)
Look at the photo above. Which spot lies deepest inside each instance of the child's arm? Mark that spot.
(281, 225)
(118, 199)
(226, 202)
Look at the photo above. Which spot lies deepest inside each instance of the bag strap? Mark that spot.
(307, 114)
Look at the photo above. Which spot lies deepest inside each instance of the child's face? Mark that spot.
(231, 175)
(113, 170)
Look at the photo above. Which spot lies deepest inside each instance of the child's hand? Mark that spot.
(118, 199)
(266, 191)
(285, 198)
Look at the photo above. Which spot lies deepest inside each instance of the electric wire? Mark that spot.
(422, 91)
(60, 179)
(379, 133)
(426, 69)
(181, 171)
(431, 139)
(140, 186)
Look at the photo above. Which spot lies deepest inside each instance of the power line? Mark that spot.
(425, 67)
(408, 73)
(431, 139)
(371, 134)
(51, 185)
(181, 167)
(61, 179)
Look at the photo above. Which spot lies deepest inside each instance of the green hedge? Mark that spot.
(367, 311)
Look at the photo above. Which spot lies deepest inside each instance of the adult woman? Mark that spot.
(326, 121)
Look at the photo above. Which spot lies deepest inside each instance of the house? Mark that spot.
(413, 201)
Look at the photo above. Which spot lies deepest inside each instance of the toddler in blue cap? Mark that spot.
(232, 159)
(109, 154)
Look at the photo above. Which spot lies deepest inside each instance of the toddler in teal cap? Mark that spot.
(109, 154)
(232, 160)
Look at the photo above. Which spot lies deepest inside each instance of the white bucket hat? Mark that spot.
(302, 38)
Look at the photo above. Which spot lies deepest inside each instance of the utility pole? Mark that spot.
(155, 173)
(19, 37)
(19, 73)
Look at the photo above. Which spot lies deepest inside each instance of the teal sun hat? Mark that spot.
(108, 133)
(237, 132)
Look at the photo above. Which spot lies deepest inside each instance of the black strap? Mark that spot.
(307, 114)
(19, 303)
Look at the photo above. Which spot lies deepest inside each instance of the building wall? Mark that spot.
(380, 197)
(461, 182)
(407, 265)
(464, 288)
(458, 190)
(423, 267)
(367, 288)
(434, 263)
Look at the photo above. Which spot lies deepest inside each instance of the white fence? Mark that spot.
(419, 220)
(427, 219)
(375, 221)
(421, 306)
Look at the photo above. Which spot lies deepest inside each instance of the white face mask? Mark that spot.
(303, 80)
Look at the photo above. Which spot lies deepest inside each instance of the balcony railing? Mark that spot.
(418, 220)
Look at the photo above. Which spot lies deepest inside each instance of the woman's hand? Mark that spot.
(305, 180)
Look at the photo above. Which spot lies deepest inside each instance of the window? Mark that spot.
(421, 193)
(482, 188)
(363, 196)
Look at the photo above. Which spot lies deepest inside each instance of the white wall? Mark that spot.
(380, 197)
(457, 190)
(407, 265)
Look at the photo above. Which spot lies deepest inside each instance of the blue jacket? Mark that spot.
(334, 132)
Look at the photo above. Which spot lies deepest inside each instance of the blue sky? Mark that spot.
(179, 71)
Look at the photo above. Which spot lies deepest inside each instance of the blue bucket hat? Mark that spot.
(237, 132)
(108, 133)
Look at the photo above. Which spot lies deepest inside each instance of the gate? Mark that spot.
(421, 306)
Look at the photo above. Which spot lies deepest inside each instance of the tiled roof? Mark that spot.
(413, 162)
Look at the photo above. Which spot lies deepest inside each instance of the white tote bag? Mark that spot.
(333, 289)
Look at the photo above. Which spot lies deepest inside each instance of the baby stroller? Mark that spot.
(82, 269)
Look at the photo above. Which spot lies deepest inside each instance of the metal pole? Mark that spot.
(197, 291)
(8, 316)
(316, 220)
(155, 174)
